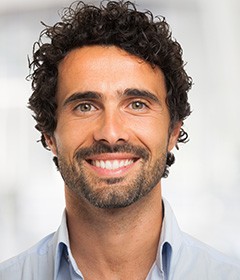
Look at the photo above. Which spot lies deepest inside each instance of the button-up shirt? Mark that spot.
(179, 257)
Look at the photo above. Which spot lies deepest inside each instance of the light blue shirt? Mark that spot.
(179, 257)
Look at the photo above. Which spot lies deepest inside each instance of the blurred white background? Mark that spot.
(203, 186)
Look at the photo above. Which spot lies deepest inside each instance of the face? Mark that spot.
(112, 131)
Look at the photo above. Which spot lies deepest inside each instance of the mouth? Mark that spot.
(111, 164)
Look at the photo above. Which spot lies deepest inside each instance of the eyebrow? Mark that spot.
(132, 92)
(81, 96)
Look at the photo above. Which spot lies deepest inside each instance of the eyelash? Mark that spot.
(92, 107)
(139, 102)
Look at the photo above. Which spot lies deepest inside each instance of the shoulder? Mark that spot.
(197, 256)
(27, 264)
(193, 259)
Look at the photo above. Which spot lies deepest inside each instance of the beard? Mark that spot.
(117, 192)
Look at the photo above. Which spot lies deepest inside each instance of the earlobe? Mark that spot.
(174, 135)
(51, 143)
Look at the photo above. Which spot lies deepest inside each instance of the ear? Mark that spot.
(174, 135)
(51, 142)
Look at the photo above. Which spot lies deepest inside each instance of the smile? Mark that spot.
(112, 164)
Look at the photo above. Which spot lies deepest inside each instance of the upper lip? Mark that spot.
(113, 156)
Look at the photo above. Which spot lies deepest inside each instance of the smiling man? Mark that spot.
(109, 98)
(113, 126)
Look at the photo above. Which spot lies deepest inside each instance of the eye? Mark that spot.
(138, 105)
(85, 107)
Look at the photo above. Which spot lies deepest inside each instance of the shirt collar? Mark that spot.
(170, 240)
(169, 243)
(61, 244)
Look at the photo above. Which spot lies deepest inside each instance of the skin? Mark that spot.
(113, 243)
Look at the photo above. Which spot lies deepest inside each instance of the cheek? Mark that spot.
(70, 136)
(152, 133)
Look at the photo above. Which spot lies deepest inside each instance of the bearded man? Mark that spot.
(109, 98)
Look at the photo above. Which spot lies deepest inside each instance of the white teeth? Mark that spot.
(102, 164)
(115, 164)
(108, 164)
(111, 164)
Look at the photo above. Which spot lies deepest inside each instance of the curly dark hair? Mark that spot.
(116, 23)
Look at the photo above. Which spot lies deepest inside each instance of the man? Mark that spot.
(109, 98)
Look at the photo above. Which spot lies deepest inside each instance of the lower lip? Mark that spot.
(103, 172)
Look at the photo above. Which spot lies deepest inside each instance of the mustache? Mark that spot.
(101, 148)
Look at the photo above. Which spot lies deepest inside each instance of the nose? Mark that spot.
(111, 128)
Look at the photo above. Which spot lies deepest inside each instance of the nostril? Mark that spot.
(111, 135)
(111, 127)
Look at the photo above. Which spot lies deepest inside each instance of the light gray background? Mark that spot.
(203, 186)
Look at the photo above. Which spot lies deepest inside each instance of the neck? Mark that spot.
(117, 243)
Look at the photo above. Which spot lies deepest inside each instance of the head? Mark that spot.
(115, 23)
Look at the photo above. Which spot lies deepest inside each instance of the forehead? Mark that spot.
(106, 69)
